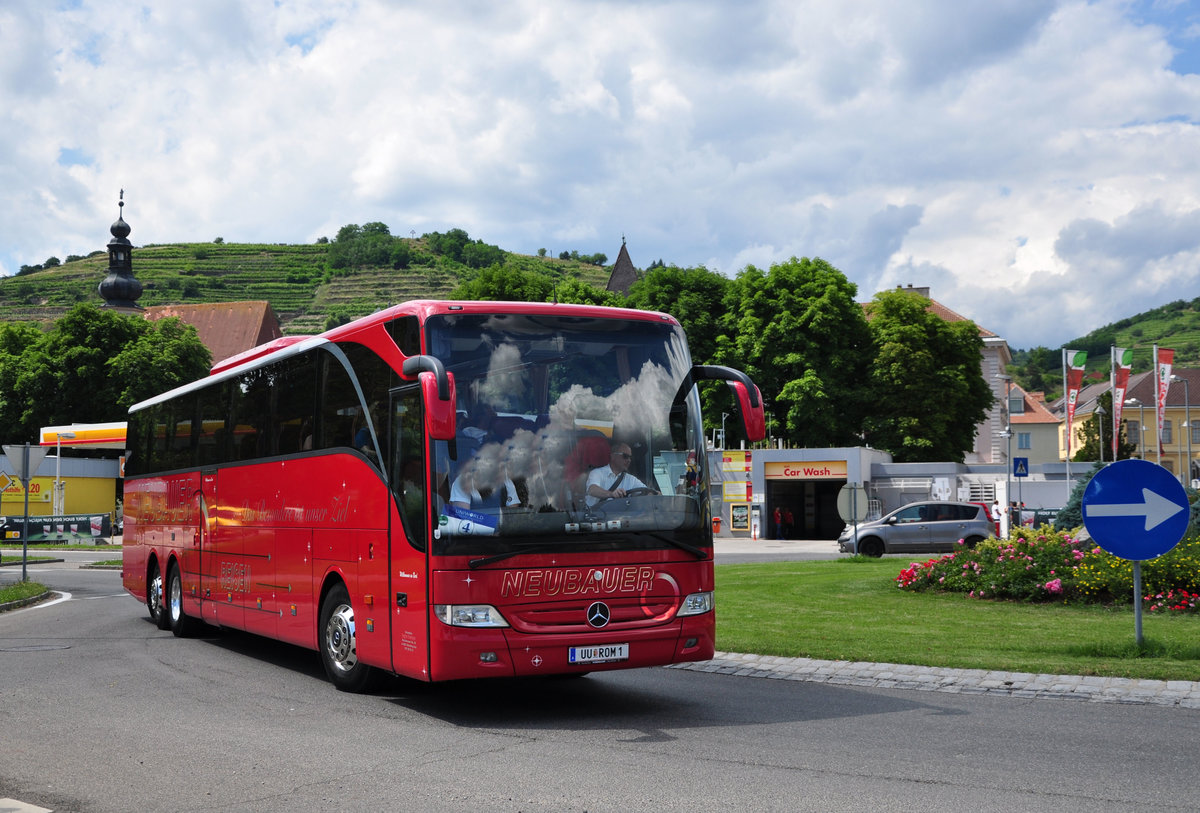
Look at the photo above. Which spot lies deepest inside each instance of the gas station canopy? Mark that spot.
(85, 435)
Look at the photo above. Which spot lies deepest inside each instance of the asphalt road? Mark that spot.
(100, 711)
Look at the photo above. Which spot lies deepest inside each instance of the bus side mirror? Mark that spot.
(440, 416)
(750, 406)
(745, 392)
(438, 394)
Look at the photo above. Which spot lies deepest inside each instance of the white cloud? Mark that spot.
(1000, 152)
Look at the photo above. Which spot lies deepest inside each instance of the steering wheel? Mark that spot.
(639, 492)
(633, 492)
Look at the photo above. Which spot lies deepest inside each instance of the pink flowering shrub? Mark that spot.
(1041, 564)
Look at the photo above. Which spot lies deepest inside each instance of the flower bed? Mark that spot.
(1041, 564)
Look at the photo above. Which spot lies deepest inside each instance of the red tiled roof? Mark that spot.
(226, 328)
(1035, 408)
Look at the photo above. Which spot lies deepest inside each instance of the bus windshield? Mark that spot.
(572, 431)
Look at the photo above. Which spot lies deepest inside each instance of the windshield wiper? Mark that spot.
(508, 554)
(499, 557)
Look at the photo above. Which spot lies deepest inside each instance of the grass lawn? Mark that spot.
(851, 609)
(20, 590)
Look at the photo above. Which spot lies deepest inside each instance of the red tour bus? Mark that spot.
(410, 493)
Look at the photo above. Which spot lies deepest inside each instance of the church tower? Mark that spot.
(120, 289)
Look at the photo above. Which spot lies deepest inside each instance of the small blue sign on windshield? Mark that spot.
(1135, 509)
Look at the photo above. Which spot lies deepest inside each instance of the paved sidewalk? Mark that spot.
(1182, 693)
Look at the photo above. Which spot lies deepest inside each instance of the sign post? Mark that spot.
(1135, 510)
(852, 504)
(25, 462)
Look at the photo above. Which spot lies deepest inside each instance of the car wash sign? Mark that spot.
(1135, 509)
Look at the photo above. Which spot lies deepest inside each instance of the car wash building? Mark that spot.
(793, 493)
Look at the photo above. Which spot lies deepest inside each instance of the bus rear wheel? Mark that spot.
(339, 643)
(182, 625)
(154, 598)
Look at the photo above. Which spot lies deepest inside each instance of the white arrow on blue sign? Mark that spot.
(1135, 509)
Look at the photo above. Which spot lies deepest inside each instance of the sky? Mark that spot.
(1035, 163)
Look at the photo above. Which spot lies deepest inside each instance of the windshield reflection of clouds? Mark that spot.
(637, 409)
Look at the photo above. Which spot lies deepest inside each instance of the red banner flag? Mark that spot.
(1122, 364)
(1163, 359)
(1073, 361)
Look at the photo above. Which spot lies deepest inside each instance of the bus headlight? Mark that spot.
(469, 615)
(696, 604)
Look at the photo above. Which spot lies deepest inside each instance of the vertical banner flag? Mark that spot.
(1122, 364)
(1162, 363)
(1073, 361)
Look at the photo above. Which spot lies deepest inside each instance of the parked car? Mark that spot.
(919, 527)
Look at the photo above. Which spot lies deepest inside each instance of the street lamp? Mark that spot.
(724, 415)
(1187, 422)
(1100, 413)
(1133, 402)
(1007, 434)
(58, 507)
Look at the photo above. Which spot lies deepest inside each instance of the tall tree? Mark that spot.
(694, 296)
(91, 367)
(798, 332)
(926, 380)
(1095, 436)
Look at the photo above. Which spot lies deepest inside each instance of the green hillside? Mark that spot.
(1175, 325)
(297, 280)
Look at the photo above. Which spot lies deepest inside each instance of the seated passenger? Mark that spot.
(614, 479)
(483, 487)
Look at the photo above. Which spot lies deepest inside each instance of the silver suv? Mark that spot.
(919, 527)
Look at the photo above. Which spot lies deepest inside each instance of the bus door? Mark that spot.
(408, 549)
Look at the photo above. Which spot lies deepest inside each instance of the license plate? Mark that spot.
(602, 653)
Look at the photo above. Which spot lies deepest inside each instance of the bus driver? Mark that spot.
(613, 480)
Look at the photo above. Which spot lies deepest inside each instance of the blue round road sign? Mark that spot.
(1135, 509)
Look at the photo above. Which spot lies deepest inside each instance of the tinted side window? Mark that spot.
(137, 443)
(252, 414)
(339, 406)
(295, 405)
(213, 441)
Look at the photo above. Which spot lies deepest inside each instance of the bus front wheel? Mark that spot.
(339, 644)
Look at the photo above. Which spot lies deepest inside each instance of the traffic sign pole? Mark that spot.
(1137, 601)
(25, 478)
(1135, 510)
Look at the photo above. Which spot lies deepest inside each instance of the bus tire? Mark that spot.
(871, 546)
(154, 597)
(182, 625)
(339, 643)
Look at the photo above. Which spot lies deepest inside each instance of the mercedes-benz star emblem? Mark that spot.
(598, 614)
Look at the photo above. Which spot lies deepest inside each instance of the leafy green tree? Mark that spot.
(1071, 515)
(500, 284)
(91, 367)
(574, 291)
(694, 296)
(798, 332)
(925, 378)
(1095, 436)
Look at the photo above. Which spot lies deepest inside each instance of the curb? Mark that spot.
(25, 602)
(1090, 688)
